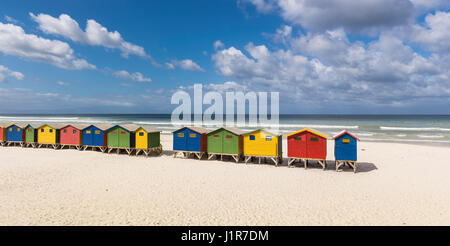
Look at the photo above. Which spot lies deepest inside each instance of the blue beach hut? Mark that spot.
(190, 140)
(14, 133)
(346, 149)
(95, 136)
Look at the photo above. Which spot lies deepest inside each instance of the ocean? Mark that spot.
(420, 129)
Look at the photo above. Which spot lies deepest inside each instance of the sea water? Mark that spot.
(422, 129)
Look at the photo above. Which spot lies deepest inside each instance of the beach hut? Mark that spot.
(345, 150)
(15, 134)
(48, 135)
(3, 133)
(147, 139)
(31, 135)
(307, 145)
(95, 137)
(190, 140)
(72, 135)
(225, 141)
(263, 144)
(121, 137)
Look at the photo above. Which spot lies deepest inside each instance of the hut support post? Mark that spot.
(210, 156)
(353, 165)
(290, 161)
(275, 161)
(323, 163)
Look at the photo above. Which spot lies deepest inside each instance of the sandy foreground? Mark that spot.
(397, 184)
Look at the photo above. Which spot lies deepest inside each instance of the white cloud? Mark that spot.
(95, 33)
(6, 72)
(186, 64)
(434, 34)
(170, 66)
(10, 19)
(14, 41)
(133, 76)
(62, 83)
(330, 67)
(319, 15)
(263, 6)
(218, 45)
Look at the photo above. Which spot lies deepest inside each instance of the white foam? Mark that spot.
(389, 128)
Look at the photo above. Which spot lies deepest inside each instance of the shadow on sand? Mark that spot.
(331, 165)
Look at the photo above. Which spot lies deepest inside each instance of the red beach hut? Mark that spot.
(3, 133)
(71, 135)
(306, 145)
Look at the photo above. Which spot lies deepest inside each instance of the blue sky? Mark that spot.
(322, 56)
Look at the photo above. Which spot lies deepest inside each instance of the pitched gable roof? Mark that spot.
(197, 129)
(345, 132)
(230, 129)
(308, 130)
(270, 133)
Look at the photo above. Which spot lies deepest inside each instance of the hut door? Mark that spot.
(215, 142)
(229, 143)
(96, 137)
(29, 135)
(193, 141)
(113, 138)
(315, 146)
(179, 140)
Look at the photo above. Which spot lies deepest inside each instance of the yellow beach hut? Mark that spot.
(48, 135)
(147, 139)
(263, 144)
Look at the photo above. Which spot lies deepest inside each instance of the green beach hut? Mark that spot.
(31, 135)
(121, 137)
(225, 141)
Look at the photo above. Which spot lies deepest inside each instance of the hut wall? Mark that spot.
(2, 134)
(118, 138)
(307, 145)
(154, 139)
(297, 145)
(14, 133)
(345, 148)
(186, 139)
(30, 135)
(70, 135)
(260, 143)
(93, 136)
(142, 139)
(223, 141)
(48, 135)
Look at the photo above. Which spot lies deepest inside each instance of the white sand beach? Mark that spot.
(397, 184)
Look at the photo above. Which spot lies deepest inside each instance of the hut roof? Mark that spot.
(56, 126)
(148, 129)
(200, 130)
(77, 126)
(128, 127)
(308, 130)
(21, 124)
(230, 129)
(345, 132)
(197, 129)
(102, 127)
(270, 133)
(34, 126)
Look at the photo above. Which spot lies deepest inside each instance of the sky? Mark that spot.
(322, 56)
